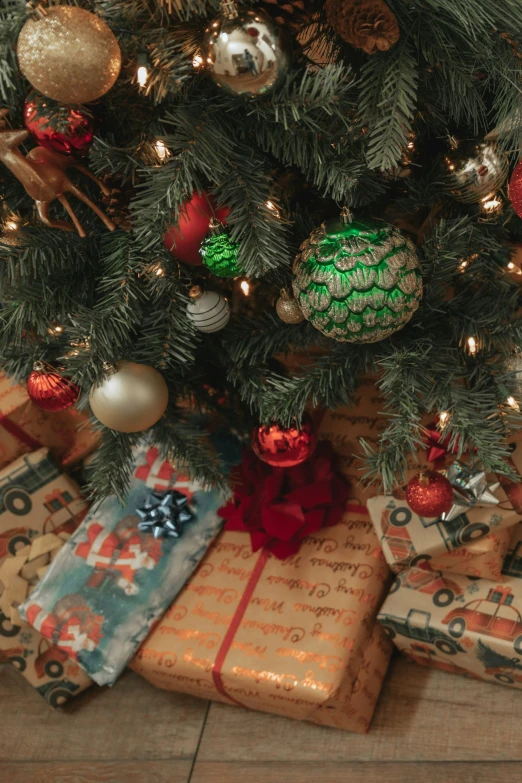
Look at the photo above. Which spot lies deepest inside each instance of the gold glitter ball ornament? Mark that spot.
(69, 54)
(288, 309)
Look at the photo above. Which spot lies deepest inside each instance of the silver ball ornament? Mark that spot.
(474, 171)
(245, 51)
(288, 310)
(513, 365)
(208, 310)
(131, 398)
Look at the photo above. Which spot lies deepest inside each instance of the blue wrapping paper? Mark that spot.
(111, 581)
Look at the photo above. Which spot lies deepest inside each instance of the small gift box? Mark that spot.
(25, 428)
(39, 509)
(459, 625)
(408, 539)
(124, 565)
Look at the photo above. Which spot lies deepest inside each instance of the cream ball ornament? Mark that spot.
(131, 398)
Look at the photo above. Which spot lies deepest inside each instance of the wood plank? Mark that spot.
(294, 772)
(131, 720)
(422, 714)
(90, 772)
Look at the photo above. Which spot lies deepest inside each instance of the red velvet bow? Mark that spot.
(280, 506)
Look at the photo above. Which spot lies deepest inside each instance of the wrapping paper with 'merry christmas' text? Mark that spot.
(295, 637)
(40, 507)
(25, 428)
(113, 579)
(365, 419)
(461, 625)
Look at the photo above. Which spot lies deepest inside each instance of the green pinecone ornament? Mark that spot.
(219, 253)
(357, 281)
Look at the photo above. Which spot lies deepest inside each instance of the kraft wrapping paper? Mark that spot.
(25, 428)
(39, 507)
(460, 625)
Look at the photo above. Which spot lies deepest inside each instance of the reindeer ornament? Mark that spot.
(42, 173)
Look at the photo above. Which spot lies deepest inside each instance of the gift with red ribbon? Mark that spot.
(279, 507)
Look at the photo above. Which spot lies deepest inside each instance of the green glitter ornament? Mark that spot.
(357, 281)
(219, 253)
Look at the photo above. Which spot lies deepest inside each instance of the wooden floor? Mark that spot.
(429, 726)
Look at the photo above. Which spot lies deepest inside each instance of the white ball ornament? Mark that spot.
(208, 310)
(131, 398)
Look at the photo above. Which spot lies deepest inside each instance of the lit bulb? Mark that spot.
(491, 203)
(245, 287)
(161, 150)
(54, 329)
(472, 345)
(513, 403)
(142, 75)
(511, 265)
(197, 62)
(272, 207)
(159, 271)
(463, 265)
(11, 225)
(443, 419)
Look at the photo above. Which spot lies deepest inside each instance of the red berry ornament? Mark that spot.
(51, 391)
(58, 127)
(429, 494)
(515, 189)
(284, 447)
(184, 240)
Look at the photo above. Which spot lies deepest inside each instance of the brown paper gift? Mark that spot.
(296, 637)
(25, 428)
(365, 419)
(39, 508)
(463, 626)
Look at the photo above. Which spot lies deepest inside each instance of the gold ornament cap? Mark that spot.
(196, 292)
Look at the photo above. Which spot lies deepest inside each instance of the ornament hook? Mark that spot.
(229, 9)
(346, 215)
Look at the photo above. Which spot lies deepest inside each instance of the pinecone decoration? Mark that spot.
(357, 282)
(366, 24)
(288, 13)
(117, 202)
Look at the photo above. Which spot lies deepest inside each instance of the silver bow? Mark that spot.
(470, 488)
(164, 513)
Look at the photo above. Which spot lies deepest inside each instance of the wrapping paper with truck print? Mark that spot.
(25, 428)
(408, 539)
(111, 581)
(294, 637)
(461, 625)
(40, 507)
(365, 419)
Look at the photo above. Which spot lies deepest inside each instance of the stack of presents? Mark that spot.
(299, 624)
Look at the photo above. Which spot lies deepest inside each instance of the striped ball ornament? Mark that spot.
(208, 310)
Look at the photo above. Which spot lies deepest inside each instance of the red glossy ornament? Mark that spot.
(58, 127)
(515, 189)
(50, 391)
(284, 447)
(429, 494)
(184, 240)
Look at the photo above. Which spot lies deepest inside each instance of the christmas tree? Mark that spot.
(371, 142)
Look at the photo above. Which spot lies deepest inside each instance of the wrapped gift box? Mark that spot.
(408, 539)
(39, 509)
(111, 580)
(460, 625)
(295, 637)
(25, 428)
(484, 557)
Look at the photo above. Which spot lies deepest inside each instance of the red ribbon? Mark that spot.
(280, 506)
(17, 432)
(239, 613)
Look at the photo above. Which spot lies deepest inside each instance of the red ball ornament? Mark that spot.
(58, 127)
(50, 391)
(515, 189)
(284, 447)
(184, 240)
(429, 494)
